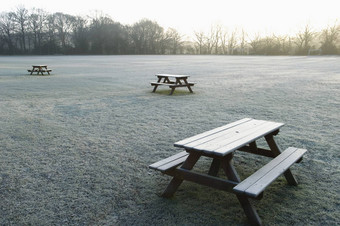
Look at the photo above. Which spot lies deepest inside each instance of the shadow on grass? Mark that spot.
(39, 75)
(176, 92)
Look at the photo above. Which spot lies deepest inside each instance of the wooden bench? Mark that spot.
(170, 162)
(172, 84)
(35, 70)
(255, 184)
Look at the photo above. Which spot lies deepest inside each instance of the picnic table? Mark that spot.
(173, 81)
(220, 144)
(39, 69)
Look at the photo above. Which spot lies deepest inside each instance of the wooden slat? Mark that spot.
(172, 159)
(224, 150)
(172, 76)
(266, 180)
(257, 182)
(224, 140)
(217, 140)
(172, 164)
(262, 171)
(180, 85)
(161, 83)
(186, 141)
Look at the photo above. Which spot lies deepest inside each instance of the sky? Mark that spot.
(263, 17)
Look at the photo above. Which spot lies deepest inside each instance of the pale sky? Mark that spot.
(187, 16)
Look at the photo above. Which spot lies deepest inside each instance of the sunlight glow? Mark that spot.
(188, 16)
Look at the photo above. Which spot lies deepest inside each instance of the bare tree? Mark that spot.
(304, 39)
(147, 37)
(199, 41)
(174, 40)
(20, 17)
(63, 25)
(208, 43)
(224, 41)
(243, 42)
(215, 37)
(255, 44)
(7, 29)
(232, 41)
(80, 35)
(329, 37)
(37, 25)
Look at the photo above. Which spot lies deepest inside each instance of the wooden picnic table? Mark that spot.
(39, 69)
(173, 81)
(220, 144)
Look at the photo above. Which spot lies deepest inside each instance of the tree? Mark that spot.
(215, 37)
(51, 46)
(255, 44)
(303, 40)
(232, 42)
(107, 36)
(37, 25)
(146, 37)
(172, 42)
(63, 25)
(7, 31)
(243, 43)
(329, 37)
(20, 17)
(80, 35)
(199, 41)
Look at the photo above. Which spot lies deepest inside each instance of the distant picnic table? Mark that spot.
(173, 81)
(39, 69)
(220, 144)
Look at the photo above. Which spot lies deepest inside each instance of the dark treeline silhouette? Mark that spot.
(37, 32)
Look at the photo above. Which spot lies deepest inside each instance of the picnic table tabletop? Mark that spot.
(226, 139)
(172, 76)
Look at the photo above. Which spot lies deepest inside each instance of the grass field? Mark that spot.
(75, 146)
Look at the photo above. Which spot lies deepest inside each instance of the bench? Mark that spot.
(170, 162)
(172, 84)
(255, 184)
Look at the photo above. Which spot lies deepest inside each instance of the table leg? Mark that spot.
(215, 167)
(154, 89)
(176, 182)
(172, 90)
(276, 150)
(247, 206)
(186, 82)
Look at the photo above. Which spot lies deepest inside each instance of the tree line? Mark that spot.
(35, 31)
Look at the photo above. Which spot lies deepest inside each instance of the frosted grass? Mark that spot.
(75, 146)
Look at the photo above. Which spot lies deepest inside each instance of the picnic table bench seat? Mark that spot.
(170, 162)
(255, 184)
(43, 70)
(172, 84)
